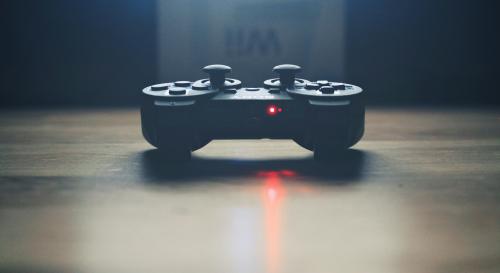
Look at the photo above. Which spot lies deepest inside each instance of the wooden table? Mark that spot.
(81, 191)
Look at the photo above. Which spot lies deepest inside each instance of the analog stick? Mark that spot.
(217, 74)
(287, 73)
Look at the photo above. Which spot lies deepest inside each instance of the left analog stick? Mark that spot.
(217, 74)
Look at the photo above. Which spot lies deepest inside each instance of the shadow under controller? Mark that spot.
(322, 116)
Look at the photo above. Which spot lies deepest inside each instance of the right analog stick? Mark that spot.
(287, 73)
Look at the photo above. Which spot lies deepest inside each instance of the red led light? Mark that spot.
(272, 110)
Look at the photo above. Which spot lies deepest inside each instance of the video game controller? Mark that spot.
(322, 116)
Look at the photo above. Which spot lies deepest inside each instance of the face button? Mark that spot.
(175, 91)
(339, 86)
(252, 89)
(327, 90)
(230, 91)
(200, 86)
(323, 83)
(182, 83)
(160, 87)
(274, 90)
(312, 86)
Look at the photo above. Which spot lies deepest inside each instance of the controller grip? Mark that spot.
(171, 129)
(332, 129)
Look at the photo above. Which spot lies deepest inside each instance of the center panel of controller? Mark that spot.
(251, 119)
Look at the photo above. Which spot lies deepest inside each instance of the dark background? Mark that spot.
(94, 52)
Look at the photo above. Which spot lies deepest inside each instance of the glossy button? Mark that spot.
(177, 91)
(312, 86)
(339, 86)
(323, 83)
(327, 90)
(252, 89)
(160, 87)
(200, 86)
(274, 90)
(182, 83)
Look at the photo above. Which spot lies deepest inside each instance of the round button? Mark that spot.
(327, 90)
(323, 83)
(339, 86)
(252, 89)
(312, 86)
(200, 86)
(177, 91)
(182, 83)
(160, 87)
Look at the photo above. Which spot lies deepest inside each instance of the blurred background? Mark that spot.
(81, 191)
(102, 53)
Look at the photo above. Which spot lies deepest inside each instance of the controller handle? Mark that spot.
(287, 73)
(217, 74)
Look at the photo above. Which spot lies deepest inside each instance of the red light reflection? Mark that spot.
(273, 196)
(276, 174)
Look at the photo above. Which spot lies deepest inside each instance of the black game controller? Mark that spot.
(324, 117)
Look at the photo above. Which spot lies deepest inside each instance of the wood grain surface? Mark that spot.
(81, 191)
